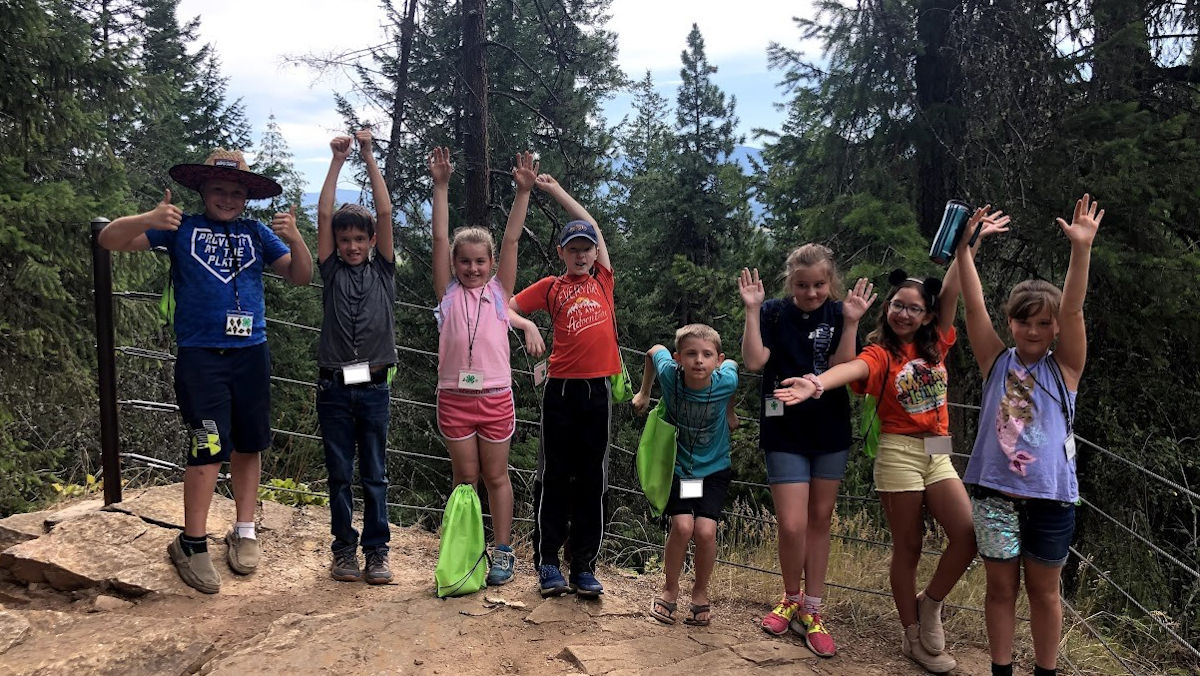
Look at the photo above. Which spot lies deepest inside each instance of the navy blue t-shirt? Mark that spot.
(800, 343)
(217, 268)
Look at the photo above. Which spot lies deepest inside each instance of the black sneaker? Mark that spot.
(345, 566)
(377, 567)
(586, 585)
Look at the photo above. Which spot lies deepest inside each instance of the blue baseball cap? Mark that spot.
(578, 229)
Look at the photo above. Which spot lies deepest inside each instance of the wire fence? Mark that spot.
(1176, 560)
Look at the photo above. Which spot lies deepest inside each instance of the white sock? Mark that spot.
(812, 604)
(245, 529)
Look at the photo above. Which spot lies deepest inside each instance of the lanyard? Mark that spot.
(478, 316)
(1061, 386)
(237, 265)
(690, 423)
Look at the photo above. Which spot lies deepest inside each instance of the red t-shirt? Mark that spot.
(914, 400)
(581, 311)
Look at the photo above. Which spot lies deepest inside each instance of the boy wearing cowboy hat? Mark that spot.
(222, 369)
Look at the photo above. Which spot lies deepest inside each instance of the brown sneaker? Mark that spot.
(197, 570)
(241, 553)
(345, 566)
(377, 567)
(911, 647)
(929, 616)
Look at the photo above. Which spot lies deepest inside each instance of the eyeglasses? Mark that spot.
(900, 308)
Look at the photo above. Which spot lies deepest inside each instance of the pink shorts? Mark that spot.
(462, 415)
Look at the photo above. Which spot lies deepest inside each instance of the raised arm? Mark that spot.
(641, 400)
(295, 266)
(1072, 333)
(853, 308)
(547, 184)
(440, 169)
(379, 195)
(985, 342)
(754, 353)
(994, 221)
(524, 176)
(128, 233)
(340, 146)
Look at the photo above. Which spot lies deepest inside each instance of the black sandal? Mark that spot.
(695, 611)
(670, 606)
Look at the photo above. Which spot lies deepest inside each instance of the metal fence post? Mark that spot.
(110, 452)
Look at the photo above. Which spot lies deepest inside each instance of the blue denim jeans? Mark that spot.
(354, 422)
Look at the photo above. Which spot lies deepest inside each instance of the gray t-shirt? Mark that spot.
(359, 313)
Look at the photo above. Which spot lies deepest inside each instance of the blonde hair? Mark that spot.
(697, 332)
(807, 256)
(1029, 298)
(473, 235)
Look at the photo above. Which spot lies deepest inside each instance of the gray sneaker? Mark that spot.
(377, 567)
(197, 570)
(345, 566)
(241, 553)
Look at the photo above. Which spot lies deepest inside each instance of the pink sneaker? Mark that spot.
(815, 635)
(776, 622)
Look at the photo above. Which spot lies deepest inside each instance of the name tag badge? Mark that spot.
(691, 488)
(470, 380)
(1069, 446)
(240, 324)
(938, 445)
(539, 373)
(772, 407)
(353, 374)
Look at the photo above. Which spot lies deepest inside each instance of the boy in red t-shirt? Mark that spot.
(572, 475)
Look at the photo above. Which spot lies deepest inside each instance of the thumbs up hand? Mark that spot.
(165, 216)
(284, 225)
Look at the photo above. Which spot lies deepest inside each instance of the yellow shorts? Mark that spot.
(903, 465)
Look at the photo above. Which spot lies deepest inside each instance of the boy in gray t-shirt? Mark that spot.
(356, 353)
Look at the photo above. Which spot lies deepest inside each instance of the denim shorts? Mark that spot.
(1008, 527)
(797, 468)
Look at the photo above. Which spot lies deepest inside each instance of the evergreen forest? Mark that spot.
(904, 105)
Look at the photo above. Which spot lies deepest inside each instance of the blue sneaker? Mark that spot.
(503, 564)
(551, 582)
(586, 585)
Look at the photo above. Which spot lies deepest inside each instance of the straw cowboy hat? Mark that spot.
(230, 166)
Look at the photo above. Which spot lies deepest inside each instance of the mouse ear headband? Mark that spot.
(930, 286)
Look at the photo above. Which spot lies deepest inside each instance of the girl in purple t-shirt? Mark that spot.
(1022, 469)
(475, 412)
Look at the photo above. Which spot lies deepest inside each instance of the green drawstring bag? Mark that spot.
(868, 425)
(462, 557)
(656, 458)
(619, 385)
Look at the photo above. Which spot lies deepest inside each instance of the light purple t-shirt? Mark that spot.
(1020, 448)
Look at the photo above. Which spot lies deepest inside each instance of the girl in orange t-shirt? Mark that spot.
(903, 366)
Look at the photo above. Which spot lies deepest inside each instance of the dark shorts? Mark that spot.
(1007, 527)
(708, 505)
(224, 397)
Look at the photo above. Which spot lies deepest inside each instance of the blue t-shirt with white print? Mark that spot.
(698, 415)
(215, 268)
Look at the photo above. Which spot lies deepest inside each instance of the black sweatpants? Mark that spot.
(572, 477)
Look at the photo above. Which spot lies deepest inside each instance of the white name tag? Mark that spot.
(1069, 446)
(240, 324)
(470, 380)
(773, 408)
(691, 488)
(353, 374)
(938, 445)
(539, 373)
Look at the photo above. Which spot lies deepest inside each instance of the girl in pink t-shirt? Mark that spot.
(475, 411)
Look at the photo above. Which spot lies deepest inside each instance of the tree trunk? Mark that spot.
(392, 168)
(938, 80)
(475, 137)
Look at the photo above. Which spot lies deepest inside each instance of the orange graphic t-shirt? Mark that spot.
(580, 307)
(914, 391)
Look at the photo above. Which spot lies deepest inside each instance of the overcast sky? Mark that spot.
(252, 38)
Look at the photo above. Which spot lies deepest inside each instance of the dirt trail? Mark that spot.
(95, 593)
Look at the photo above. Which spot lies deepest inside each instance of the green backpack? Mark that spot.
(462, 557)
(656, 458)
